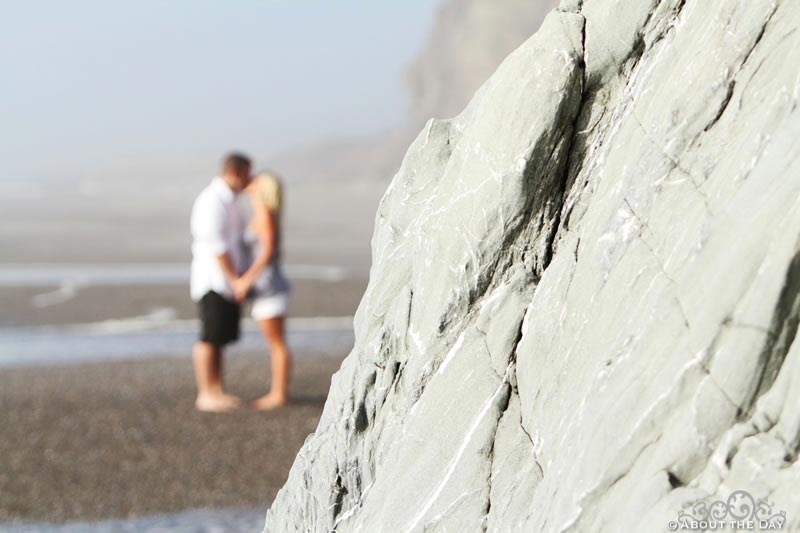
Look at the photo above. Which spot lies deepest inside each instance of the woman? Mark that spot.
(265, 282)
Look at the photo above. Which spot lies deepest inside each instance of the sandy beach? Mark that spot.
(93, 441)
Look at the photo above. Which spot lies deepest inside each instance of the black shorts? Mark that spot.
(219, 319)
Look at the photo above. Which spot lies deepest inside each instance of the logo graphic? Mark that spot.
(739, 512)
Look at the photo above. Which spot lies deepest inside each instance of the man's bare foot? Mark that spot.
(270, 401)
(217, 403)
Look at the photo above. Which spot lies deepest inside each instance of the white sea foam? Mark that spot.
(64, 293)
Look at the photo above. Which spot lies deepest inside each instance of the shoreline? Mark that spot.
(45, 305)
(155, 323)
(225, 519)
(146, 338)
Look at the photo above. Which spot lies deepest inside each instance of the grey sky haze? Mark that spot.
(102, 90)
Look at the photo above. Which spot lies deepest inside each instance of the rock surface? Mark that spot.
(585, 290)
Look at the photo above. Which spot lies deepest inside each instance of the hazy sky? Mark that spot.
(108, 90)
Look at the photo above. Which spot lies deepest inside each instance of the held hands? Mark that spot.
(241, 286)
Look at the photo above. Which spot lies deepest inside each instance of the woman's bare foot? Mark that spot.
(217, 403)
(230, 398)
(270, 401)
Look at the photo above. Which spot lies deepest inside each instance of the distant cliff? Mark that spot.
(585, 291)
(466, 44)
(468, 40)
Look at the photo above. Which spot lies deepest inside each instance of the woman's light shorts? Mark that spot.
(265, 307)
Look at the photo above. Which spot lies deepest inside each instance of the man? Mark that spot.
(217, 260)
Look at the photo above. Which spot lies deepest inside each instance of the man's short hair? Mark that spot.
(236, 163)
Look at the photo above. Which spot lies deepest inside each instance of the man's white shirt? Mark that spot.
(217, 228)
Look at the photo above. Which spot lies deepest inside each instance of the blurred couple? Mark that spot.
(235, 227)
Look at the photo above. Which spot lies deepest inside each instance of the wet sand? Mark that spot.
(85, 442)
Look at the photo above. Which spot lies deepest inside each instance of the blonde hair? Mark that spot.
(269, 190)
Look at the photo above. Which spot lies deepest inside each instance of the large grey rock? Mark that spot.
(585, 289)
